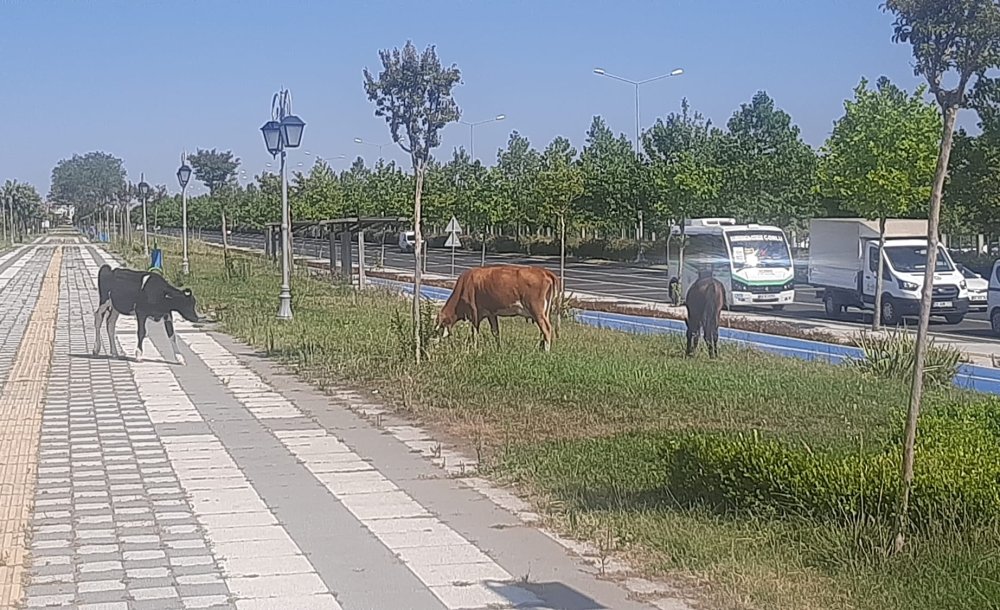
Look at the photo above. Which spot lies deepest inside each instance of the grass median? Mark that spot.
(622, 441)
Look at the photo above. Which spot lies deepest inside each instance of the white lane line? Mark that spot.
(457, 572)
(260, 562)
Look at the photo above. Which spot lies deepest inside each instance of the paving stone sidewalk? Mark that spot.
(226, 484)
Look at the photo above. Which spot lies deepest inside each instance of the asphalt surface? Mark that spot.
(611, 279)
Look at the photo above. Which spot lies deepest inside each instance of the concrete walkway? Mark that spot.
(224, 483)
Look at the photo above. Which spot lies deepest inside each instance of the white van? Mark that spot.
(407, 241)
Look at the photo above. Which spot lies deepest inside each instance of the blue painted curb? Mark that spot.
(969, 377)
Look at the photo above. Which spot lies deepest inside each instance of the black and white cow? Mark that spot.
(144, 295)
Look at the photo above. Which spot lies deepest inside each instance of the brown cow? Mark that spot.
(704, 303)
(486, 293)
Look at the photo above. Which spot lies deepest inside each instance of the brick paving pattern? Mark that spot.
(222, 484)
(20, 417)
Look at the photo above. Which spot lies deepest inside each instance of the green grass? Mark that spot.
(587, 432)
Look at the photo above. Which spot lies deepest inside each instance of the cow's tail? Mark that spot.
(104, 283)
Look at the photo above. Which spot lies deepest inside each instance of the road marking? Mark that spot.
(21, 401)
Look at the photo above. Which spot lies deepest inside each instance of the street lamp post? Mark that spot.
(284, 130)
(183, 176)
(638, 154)
(378, 146)
(143, 191)
(327, 160)
(472, 127)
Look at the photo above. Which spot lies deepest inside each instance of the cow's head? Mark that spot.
(182, 301)
(445, 321)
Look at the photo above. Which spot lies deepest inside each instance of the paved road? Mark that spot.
(618, 280)
(147, 484)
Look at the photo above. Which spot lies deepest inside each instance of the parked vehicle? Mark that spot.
(843, 262)
(407, 241)
(993, 301)
(978, 288)
(753, 262)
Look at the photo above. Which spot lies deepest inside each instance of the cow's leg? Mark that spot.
(99, 314)
(475, 331)
(168, 324)
(693, 330)
(112, 321)
(495, 327)
(546, 327)
(712, 338)
(140, 323)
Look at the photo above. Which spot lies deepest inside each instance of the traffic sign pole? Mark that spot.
(453, 230)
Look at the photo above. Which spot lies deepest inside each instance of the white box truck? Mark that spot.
(843, 262)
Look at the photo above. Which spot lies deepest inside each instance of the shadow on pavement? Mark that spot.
(552, 595)
(124, 358)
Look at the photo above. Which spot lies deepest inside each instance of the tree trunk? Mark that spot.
(418, 244)
(562, 269)
(225, 243)
(482, 256)
(877, 314)
(920, 349)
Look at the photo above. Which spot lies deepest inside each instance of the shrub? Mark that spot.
(956, 479)
(892, 356)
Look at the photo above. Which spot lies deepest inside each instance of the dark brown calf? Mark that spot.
(487, 293)
(705, 300)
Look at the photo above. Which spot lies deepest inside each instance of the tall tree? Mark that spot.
(973, 188)
(413, 92)
(354, 181)
(560, 184)
(960, 38)
(217, 171)
(769, 170)
(684, 174)
(879, 160)
(611, 177)
(87, 182)
(473, 204)
(517, 169)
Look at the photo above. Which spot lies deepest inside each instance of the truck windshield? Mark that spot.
(758, 249)
(913, 259)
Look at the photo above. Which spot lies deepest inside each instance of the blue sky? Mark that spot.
(144, 80)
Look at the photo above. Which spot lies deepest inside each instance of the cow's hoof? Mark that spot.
(138, 355)
(96, 352)
(180, 360)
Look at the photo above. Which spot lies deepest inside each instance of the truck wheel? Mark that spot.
(954, 318)
(831, 306)
(890, 315)
(777, 307)
(995, 321)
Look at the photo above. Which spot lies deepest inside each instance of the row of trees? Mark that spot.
(21, 210)
(878, 162)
